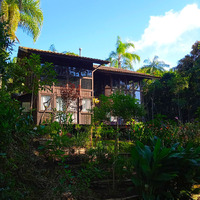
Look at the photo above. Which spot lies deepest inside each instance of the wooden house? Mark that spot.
(93, 77)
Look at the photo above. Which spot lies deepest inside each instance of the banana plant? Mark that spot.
(165, 173)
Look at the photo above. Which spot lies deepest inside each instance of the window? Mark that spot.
(137, 86)
(72, 106)
(122, 84)
(86, 104)
(45, 102)
(113, 119)
(137, 91)
(61, 82)
(74, 72)
(130, 85)
(115, 83)
(86, 73)
(86, 84)
(59, 104)
(137, 95)
(75, 81)
(61, 70)
(74, 117)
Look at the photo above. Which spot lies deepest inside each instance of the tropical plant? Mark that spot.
(153, 67)
(165, 173)
(22, 13)
(121, 58)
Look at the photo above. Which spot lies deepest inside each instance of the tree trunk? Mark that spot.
(119, 62)
(152, 108)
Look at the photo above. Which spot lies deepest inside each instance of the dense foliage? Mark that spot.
(117, 105)
(176, 93)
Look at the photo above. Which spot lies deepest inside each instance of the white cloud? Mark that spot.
(172, 33)
(163, 30)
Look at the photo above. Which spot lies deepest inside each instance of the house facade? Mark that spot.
(93, 78)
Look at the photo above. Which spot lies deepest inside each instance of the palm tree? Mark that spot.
(22, 13)
(154, 66)
(121, 58)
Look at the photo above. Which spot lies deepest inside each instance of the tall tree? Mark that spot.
(25, 14)
(154, 67)
(121, 58)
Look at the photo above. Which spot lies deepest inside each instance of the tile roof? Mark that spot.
(78, 58)
(124, 72)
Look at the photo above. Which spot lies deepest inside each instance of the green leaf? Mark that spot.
(157, 149)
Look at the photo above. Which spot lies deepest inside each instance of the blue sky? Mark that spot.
(166, 28)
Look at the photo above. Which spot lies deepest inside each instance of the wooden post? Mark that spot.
(78, 110)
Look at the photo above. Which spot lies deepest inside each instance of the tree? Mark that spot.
(153, 67)
(158, 97)
(29, 76)
(121, 58)
(185, 65)
(53, 49)
(156, 68)
(22, 13)
(188, 67)
(69, 94)
(118, 105)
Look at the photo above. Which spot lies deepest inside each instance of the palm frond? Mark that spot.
(154, 66)
(136, 57)
(32, 8)
(127, 64)
(121, 49)
(121, 58)
(4, 11)
(29, 25)
(147, 61)
(129, 44)
(131, 56)
(13, 19)
(155, 58)
(119, 41)
(113, 55)
(114, 63)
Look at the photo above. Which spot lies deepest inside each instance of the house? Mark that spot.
(93, 77)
